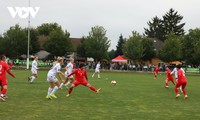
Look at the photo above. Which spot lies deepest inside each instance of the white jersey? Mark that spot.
(70, 67)
(69, 70)
(98, 66)
(175, 72)
(34, 65)
(55, 69)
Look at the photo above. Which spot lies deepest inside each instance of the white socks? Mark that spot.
(49, 91)
(54, 90)
(61, 85)
(32, 78)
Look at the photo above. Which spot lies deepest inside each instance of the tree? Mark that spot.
(155, 29)
(111, 54)
(96, 44)
(172, 23)
(47, 28)
(81, 49)
(14, 43)
(191, 47)
(58, 43)
(161, 28)
(119, 46)
(34, 44)
(171, 49)
(132, 48)
(148, 47)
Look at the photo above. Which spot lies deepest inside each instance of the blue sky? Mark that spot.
(116, 16)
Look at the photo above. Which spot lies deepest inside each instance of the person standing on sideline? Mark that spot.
(156, 69)
(97, 70)
(3, 81)
(80, 78)
(34, 69)
(53, 81)
(69, 70)
(169, 77)
(181, 82)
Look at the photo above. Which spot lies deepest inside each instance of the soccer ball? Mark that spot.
(113, 82)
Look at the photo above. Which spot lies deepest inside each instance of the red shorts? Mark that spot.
(84, 82)
(183, 84)
(3, 82)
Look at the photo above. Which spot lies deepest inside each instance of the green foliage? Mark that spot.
(111, 54)
(96, 44)
(148, 47)
(120, 46)
(132, 48)
(155, 29)
(58, 43)
(171, 49)
(161, 28)
(14, 42)
(81, 49)
(191, 47)
(47, 28)
(172, 23)
(34, 44)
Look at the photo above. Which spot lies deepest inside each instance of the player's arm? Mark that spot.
(173, 71)
(10, 73)
(86, 77)
(72, 73)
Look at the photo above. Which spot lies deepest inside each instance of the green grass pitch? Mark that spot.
(137, 96)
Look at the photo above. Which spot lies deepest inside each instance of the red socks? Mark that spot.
(93, 89)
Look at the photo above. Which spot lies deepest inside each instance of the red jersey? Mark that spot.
(169, 76)
(80, 74)
(156, 70)
(3, 68)
(181, 76)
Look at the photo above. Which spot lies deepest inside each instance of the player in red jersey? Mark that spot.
(181, 82)
(80, 76)
(156, 69)
(169, 77)
(3, 81)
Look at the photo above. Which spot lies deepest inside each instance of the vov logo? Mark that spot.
(23, 12)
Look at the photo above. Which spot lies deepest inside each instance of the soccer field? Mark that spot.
(137, 96)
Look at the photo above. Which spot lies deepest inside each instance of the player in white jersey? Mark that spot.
(51, 78)
(34, 69)
(69, 70)
(175, 72)
(97, 70)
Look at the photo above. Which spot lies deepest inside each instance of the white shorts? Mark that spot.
(97, 70)
(34, 71)
(52, 79)
(68, 74)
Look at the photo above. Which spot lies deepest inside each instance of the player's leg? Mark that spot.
(91, 87)
(33, 77)
(70, 81)
(166, 83)
(3, 93)
(64, 82)
(98, 74)
(176, 89)
(72, 87)
(57, 84)
(51, 86)
(184, 91)
(93, 74)
(155, 75)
